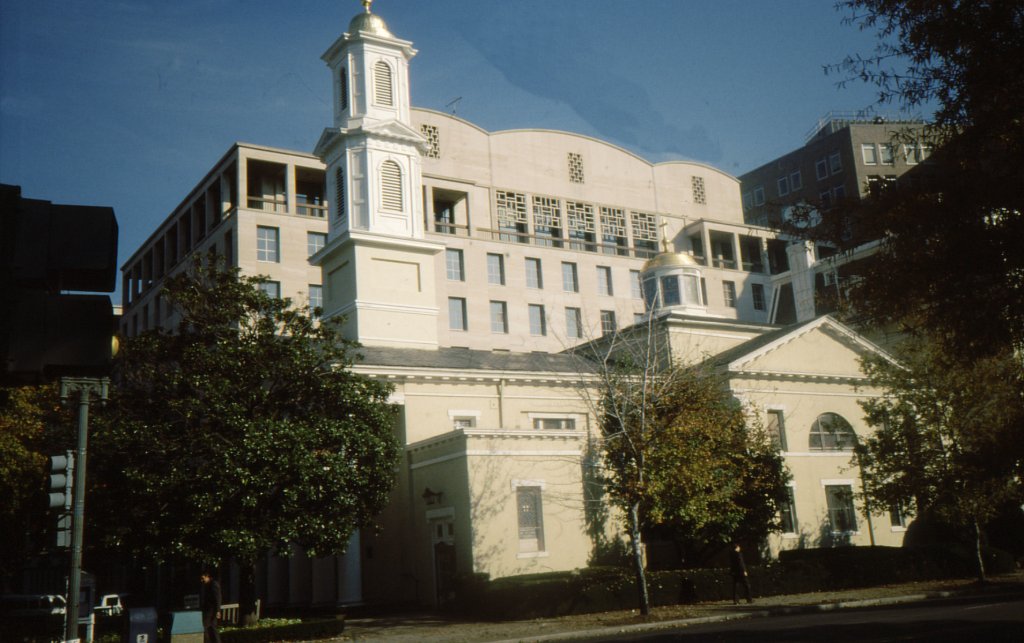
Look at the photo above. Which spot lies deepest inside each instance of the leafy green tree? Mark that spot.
(951, 260)
(947, 438)
(33, 426)
(241, 433)
(678, 451)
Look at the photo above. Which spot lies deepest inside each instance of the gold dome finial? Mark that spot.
(366, 5)
(664, 237)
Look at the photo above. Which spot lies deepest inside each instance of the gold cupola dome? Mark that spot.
(368, 22)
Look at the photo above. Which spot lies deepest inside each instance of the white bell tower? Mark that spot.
(378, 269)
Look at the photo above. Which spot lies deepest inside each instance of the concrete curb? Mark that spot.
(782, 610)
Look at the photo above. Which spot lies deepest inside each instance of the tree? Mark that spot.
(677, 450)
(242, 433)
(947, 438)
(950, 261)
(31, 423)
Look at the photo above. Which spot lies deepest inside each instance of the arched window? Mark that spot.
(831, 432)
(339, 193)
(391, 186)
(342, 89)
(383, 92)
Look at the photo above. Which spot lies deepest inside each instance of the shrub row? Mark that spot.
(598, 589)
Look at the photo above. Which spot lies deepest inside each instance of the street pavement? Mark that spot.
(627, 624)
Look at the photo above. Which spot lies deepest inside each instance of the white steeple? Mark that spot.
(372, 152)
(378, 269)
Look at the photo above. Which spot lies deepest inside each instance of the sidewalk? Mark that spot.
(432, 627)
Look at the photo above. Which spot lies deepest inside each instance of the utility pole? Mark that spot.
(86, 388)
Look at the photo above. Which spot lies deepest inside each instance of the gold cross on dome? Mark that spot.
(664, 236)
(366, 5)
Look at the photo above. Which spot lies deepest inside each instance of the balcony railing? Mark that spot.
(268, 205)
(315, 210)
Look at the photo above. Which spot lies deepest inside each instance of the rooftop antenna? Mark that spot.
(453, 104)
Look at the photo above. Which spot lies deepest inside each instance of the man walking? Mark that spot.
(209, 603)
(738, 568)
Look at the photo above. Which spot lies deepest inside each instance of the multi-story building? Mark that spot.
(846, 156)
(466, 262)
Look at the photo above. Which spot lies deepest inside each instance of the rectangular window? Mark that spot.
(729, 293)
(821, 169)
(272, 289)
(841, 513)
(639, 318)
(868, 152)
(783, 186)
(838, 193)
(530, 519)
(788, 511)
(835, 163)
(757, 290)
(499, 317)
(316, 299)
(314, 242)
(759, 195)
(533, 274)
(538, 325)
(570, 280)
(607, 322)
(604, 281)
(573, 323)
(635, 289)
(886, 154)
(267, 244)
(464, 422)
(777, 429)
(456, 313)
(796, 181)
(554, 424)
(454, 265)
(896, 516)
(495, 269)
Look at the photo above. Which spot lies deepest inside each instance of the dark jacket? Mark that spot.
(209, 602)
(736, 564)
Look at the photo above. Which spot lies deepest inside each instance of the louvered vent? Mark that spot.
(391, 186)
(342, 90)
(339, 194)
(383, 92)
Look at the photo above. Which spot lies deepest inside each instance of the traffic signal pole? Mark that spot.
(86, 388)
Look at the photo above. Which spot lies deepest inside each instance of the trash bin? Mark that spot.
(141, 625)
(186, 627)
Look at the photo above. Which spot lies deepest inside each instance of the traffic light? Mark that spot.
(62, 475)
(62, 470)
(49, 255)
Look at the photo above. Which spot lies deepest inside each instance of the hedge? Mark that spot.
(598, 589)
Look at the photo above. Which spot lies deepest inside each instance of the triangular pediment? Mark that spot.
(820, 349)
(387, 130)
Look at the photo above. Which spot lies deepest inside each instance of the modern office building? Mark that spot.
(466, 262)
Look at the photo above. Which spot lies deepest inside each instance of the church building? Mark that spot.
(466, 263)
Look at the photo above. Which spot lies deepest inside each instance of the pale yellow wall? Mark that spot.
(802, 400)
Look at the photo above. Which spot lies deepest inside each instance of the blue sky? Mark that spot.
(127, 103)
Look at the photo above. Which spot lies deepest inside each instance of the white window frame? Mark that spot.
(604, 281)
(542, 330)
(835, 163)
(499, 325)
(821, 169)
(869, 153)
(796, 181)
(782, 185)
(268, 250)
(570, 277)
(454, 415)
(459, 271)
(841, 482)
(577, 331)
(541, 551)
(534, 280)
(495, 269)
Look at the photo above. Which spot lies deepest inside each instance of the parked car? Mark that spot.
(110, 605)
(32, 605)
